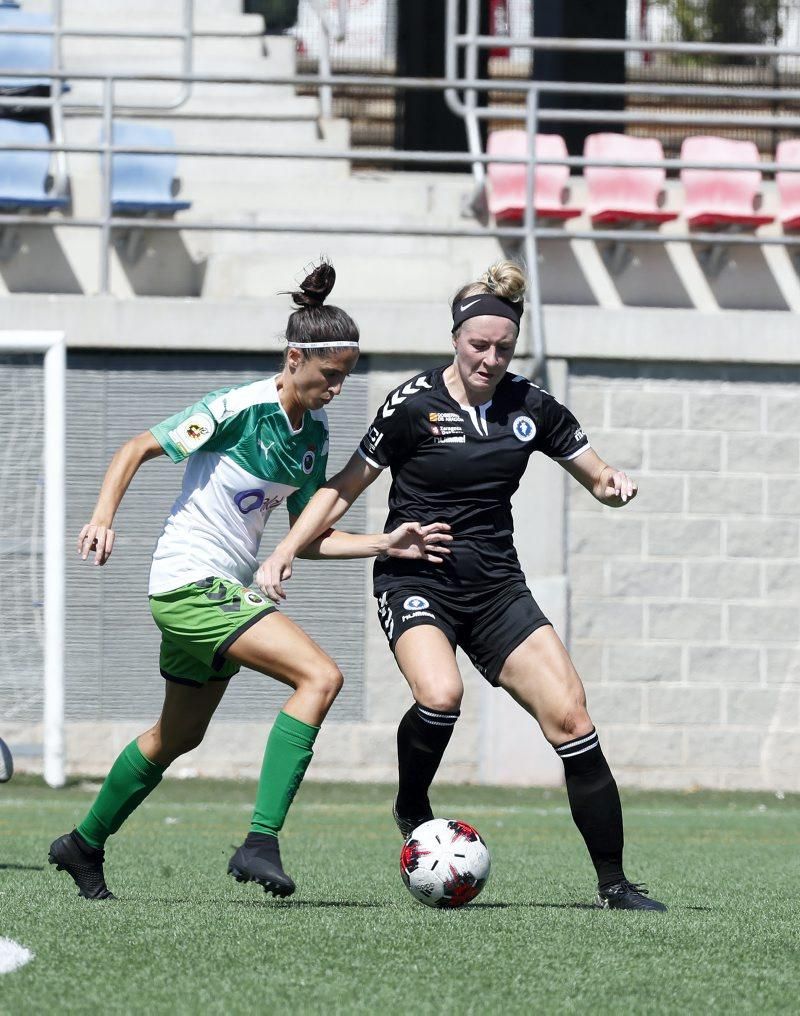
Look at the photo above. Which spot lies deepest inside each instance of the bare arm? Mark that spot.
(97, 535)
(610, 486)
(311, 535)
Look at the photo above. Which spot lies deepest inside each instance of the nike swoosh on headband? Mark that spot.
(466, 306)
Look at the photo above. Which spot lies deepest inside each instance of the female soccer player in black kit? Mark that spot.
(457, 440)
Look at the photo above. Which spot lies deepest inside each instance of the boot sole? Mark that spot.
(268, 885)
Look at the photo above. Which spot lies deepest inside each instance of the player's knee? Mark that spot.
(325, 680)
(443, 700)
(575, 722)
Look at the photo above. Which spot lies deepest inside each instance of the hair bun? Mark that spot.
(316, 286)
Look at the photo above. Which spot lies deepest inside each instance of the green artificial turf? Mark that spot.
(185, 938)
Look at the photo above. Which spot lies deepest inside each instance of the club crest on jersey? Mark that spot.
(524, 428)
(415, 603)
(192, 433)
(308, 460)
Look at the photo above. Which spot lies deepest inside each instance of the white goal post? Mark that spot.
(52, 346)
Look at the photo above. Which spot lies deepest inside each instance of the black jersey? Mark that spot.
(461, 465)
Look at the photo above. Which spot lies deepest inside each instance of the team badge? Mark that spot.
(524, 428)
(192, 433)
(308, 461)
(253, 598)
(416, 603)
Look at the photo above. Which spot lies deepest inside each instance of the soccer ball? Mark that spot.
(444, 863)
(6, 763)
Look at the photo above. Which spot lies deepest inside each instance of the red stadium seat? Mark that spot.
(789, 184)
(717, 198)
(621, 194)
(506, 190)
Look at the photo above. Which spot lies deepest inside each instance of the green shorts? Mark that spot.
(199, 622)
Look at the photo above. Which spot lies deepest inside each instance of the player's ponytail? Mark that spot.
(314, 324)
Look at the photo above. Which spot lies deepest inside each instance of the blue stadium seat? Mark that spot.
(144, 184)
(24, 52)
(23, 175)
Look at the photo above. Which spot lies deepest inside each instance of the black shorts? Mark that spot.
(487, 625)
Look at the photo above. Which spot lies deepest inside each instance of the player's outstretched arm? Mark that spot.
(97, 535)
(610, 486)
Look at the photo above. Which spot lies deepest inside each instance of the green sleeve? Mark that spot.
(195, 427)
(296, 502)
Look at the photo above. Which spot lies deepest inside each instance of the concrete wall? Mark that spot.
(685, 609)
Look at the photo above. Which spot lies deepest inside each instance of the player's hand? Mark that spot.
(620, 489)
(99, 539)
(275, 570)
(415, 542)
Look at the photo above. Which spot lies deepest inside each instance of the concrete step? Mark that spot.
(153, 55)
(425, 275)
(124, 14)
(197, 132)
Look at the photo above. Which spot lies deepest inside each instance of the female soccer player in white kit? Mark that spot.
(249, 449)
(457, 440)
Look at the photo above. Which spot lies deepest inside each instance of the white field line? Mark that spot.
(762, 811)
(13, 955)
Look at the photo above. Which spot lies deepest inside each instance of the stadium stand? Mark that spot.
(507, 182)
(144, 184)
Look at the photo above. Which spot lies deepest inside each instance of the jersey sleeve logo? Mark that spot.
(524, 428)
(399, 397)
(192, 433)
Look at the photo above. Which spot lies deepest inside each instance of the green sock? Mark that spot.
(286, 758)
(131, 779)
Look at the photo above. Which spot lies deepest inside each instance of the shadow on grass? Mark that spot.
(532, 905)
(270, 902)
(21, 867)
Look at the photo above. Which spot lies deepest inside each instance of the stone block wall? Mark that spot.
(685, 605)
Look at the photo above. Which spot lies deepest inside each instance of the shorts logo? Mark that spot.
(524, 428)
(192, 433)
(308, 461)
(416, 603)
(253, 598)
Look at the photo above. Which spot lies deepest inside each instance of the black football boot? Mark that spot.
(83, 863)
(259, 860)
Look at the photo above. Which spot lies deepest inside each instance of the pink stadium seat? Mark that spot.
(789, 184)
(721, 197)
(506, 190)
(619, 194)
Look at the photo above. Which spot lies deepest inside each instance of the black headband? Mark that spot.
(485, 303)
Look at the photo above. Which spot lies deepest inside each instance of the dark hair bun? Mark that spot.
(314, 288)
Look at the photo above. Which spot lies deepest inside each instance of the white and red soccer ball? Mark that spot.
(444, 863)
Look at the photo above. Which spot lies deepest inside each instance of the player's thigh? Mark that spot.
(540, 675)
(279, 648)
(428, 663)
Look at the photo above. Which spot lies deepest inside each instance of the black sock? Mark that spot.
(422, 737)
(595, 805)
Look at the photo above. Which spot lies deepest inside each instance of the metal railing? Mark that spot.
(528, 234)
(325, 67)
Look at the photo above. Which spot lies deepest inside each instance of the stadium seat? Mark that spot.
(143, 185)
(24, 175)
(789, 184)
(24, 52)
(507, 182)
(625, 194)
(719, 198)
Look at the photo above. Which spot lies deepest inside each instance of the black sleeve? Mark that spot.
(388, 439)
(559, 434)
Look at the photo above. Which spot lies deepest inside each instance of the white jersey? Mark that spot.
(245, 459)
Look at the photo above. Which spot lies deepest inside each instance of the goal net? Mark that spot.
(31, 545)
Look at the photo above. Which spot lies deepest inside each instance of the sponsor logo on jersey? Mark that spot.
(192, 433)
(451, 440)
(415, 603)
(579, 435)
(374, 438)
(308, 460)
(524, 428)
(253, 598)
(255, 500)
(445, 418)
